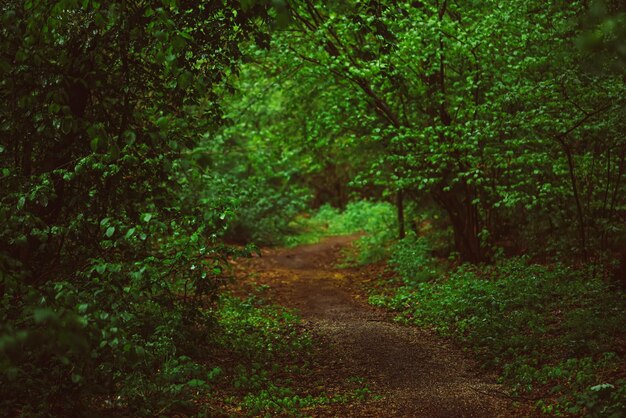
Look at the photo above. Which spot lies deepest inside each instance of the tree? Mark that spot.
(106, 217)
(461, 106)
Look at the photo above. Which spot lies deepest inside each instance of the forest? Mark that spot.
(342, 208)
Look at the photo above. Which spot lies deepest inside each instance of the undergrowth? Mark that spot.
(376, 220)
(555, 333)
(269, 357)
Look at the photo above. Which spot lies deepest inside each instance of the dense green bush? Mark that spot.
(379, 223)
(110, 234)
(263, 212)
(115, 324)
(411, 259)
(554, 329)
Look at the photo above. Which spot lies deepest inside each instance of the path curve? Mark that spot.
(419, 374)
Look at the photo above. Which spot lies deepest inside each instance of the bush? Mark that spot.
(549, 329)
(377, 220)
(411, 260)
(115, 330)
(263, 211)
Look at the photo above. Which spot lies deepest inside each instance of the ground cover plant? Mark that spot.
(555, 333)
(267, 354)
(477, 147)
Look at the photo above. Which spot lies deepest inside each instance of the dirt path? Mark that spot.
(419, 374)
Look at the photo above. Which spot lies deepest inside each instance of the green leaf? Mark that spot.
(178, 42)
(67, 125)
(43, 315)
(185, 79)
(162, 122)
(110, 231)
(129, 233)
(130, 137)
(602, 386)
(95, 142)
(196, 383)
(139, 350)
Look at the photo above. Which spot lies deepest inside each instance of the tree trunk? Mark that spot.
(400, 207)
(465, 224)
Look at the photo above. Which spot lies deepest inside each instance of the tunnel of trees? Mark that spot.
(146, 144)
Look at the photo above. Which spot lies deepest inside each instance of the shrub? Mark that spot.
(551, 329)
(411, 259)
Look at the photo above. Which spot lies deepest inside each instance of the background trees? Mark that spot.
(489, 111)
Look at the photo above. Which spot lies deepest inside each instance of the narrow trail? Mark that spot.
(418, 373)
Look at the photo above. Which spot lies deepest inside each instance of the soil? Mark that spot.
(414, 372)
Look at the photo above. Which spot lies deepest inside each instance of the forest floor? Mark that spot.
(409, 372)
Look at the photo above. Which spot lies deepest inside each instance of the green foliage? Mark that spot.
(281, 400)
(256, 330)
(272, 351)
(110, 234)
(376, 222)
(362, 216)
(258, 177)
(136, 138)
(548, 329)
(358, 217)
(264, 212)
(411, 259)
(178, 383)
(495, 113)
(603, 400)
(118, 332)
(260, 335)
